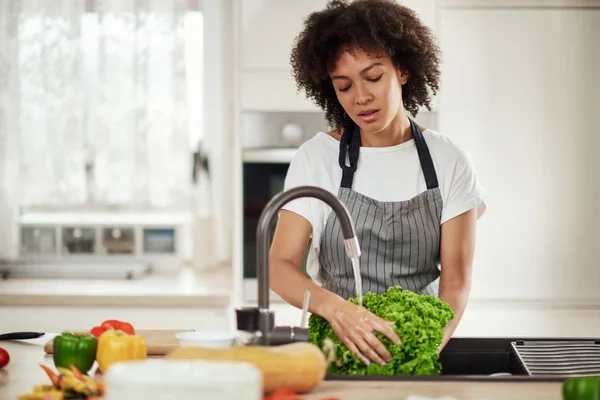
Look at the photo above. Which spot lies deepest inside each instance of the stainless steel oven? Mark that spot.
(269, 141)
(263, 177)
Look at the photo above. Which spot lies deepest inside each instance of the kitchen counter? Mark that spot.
(23, 373)
(186, 288)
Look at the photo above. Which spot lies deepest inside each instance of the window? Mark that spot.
(111, 113)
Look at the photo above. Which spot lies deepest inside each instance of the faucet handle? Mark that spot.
(247, 319)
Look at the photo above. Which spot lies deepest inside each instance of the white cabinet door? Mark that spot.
(268, 29)
(267, 32)
(521, 91)
(272, 90)
(426, 9)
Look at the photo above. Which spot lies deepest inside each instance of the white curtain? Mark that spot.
(97, 102)
(140, 129)
(94, 98)
(42, 112)
(9, 210)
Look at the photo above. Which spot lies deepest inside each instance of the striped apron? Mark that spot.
(400, 241)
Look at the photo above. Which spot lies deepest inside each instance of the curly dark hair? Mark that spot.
(374, 26)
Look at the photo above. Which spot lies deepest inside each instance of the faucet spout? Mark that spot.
(265, 224)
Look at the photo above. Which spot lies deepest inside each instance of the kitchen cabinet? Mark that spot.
(265, 34)
(268, 29)
(520, 91)
(426, 9)
(272, 90)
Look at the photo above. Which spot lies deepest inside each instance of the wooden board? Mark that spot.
(159, 342)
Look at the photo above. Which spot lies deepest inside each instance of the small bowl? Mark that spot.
(215, 340)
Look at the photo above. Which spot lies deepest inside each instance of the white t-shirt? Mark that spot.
(385, 174)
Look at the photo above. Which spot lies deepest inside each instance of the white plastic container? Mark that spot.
(215, 340)
(161, 379)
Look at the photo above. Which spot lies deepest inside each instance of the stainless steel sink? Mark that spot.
(508, 359)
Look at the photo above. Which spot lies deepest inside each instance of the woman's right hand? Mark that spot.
(355, 327)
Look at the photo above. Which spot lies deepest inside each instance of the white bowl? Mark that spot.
(215, 340)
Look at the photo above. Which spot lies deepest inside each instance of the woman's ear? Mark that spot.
(403, 76)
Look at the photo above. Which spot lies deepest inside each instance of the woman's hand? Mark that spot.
(355, 327)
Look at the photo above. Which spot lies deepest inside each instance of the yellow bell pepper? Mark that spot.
(115, 346)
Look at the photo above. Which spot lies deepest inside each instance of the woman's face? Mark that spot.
(369, 88)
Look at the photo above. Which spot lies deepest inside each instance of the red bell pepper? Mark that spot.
(112, 324)
(97, 331)
(118, 326)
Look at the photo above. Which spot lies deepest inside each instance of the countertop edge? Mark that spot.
(112, 300)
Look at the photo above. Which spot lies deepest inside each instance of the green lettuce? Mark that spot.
(420, 323)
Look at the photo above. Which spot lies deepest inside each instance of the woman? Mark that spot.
(413, 193)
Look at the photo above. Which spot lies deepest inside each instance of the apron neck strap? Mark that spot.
(424, 156)
(350, 149)
(349, 146)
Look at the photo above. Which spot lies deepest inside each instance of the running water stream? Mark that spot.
(357, 279)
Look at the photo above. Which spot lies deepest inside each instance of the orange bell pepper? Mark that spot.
(115, 346)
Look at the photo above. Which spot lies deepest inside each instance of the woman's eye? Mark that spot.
(345, 89)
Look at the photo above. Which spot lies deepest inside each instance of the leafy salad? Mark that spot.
(420, 323)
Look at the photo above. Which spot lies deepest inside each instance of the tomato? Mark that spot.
(286, 394)
(4, 358)
(283, 394)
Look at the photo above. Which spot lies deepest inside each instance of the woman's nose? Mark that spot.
(363, 95)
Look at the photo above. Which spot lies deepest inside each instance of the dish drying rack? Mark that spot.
(558, 358)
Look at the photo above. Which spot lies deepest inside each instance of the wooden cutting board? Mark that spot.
(159, 342)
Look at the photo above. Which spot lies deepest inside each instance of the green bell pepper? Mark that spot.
(582, 388)
(78, 350)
